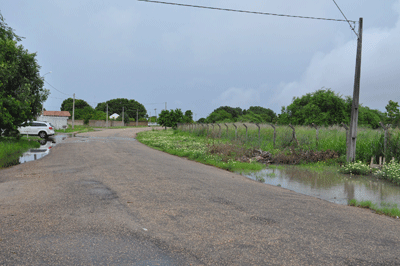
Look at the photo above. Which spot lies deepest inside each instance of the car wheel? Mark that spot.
(42, 134)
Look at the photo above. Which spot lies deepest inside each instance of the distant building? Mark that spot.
(114, 116)
(57, 118)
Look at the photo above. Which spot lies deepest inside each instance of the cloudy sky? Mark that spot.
(201, 59)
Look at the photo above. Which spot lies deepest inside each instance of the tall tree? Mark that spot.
(21, 86)
(170, 118)
(129, 106)
(392, 112)
(67, 105)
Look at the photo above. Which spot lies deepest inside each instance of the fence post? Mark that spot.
(246, 130)
(219, 132)
(226, 130)
(274, 134)
(294, 135)
(235, 130)
(314, 126)
(259, 136)
(347, 142)
(386, 129)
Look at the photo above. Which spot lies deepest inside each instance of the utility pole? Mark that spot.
(107, 117)
(73, 112)
(137, 116)
(155, 113)
(123, 124)
(356, 95)
(165, 106)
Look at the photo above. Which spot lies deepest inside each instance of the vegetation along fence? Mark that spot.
(273, 138)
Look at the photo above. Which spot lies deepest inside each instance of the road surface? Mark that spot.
(105, 199)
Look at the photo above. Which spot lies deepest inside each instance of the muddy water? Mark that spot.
(332, 186)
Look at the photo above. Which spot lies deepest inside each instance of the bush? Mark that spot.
(390, 172)
(356, 168)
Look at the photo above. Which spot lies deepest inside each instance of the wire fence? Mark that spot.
(371, 143)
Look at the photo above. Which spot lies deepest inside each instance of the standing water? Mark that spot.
(331, 186)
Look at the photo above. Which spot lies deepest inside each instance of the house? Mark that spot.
(114, 116)
(57, 118)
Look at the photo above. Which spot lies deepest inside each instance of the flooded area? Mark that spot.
(331, 186)
(36, 153)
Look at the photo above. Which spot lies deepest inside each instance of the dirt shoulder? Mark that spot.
(105, 198)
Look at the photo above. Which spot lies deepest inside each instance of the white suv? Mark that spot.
(42, 129)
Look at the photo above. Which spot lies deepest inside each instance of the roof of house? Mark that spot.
(56, 113)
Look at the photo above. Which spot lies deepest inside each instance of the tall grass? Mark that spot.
(11, 148)
(370, 143)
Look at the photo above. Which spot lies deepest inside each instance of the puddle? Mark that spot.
(36, 153)
(331, 186)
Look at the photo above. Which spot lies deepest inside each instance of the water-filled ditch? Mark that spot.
(331, 186)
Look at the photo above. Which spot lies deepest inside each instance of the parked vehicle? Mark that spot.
(37, 128)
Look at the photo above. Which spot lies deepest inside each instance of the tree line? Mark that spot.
(83, 111)
(323, 107)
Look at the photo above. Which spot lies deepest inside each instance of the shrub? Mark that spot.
(390, 172)
(356, 168)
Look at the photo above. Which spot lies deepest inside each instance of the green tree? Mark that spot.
(21, 86)
(267, 115)
(234, 112)
(170, 118)
(251, 117)
(392, 112)
(322, 107)
(188, 117)
(220, 115)
(67, 105)
(116, 105)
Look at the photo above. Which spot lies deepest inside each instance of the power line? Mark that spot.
(352, 28)
(245, 11)
(56, 89)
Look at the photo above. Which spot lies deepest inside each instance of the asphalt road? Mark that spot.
(106, 199)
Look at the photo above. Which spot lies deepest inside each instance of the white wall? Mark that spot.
(57, 121)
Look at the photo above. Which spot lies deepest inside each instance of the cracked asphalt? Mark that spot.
(105, 199)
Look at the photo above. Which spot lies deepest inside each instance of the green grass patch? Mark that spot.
(385, 208)
(11, 148)
(77, 128)
(195, 148)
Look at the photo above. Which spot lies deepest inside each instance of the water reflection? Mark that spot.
(34, 154)
(331, 186)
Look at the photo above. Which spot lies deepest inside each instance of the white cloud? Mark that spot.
(380, 70)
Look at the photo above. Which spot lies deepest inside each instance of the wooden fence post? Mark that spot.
(274, 133)
(294, 135)
(226, 129)
(235, 130)
(347, 142)
(219, 132)
(246, 130)
(259, 135)
(314, 126)
(386, 130)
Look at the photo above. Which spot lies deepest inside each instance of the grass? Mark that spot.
(11, 148)
(370, 143)
(197, 148)
(77, 128)
(386, 209)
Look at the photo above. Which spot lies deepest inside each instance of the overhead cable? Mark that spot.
(352, 28)
(56, 89)
(244, 11)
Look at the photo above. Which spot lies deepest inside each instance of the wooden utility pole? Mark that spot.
(356, 95)
(107, 117)
(73, 112)
(137, 116)
(123, 124)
